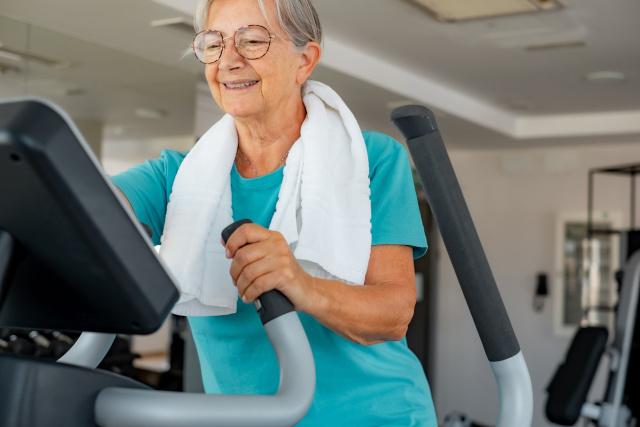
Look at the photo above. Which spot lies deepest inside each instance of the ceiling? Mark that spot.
(488, 59)
(489, 88)
(102, 82)
(485, 71)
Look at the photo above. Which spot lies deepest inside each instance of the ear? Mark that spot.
(309, 58)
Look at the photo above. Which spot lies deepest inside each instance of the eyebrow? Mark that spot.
(242, 26)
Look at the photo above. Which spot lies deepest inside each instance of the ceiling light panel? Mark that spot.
(462, 10)
(605, 77)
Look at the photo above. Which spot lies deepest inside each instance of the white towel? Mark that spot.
(323, 208)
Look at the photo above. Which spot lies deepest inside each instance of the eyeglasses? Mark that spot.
(251, 42)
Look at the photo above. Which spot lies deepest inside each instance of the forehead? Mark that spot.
(229, 15)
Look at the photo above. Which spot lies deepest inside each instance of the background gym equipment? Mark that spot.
(73, 258)
(570, 385)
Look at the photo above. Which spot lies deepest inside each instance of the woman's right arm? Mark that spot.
(144, 187)
(126, 201)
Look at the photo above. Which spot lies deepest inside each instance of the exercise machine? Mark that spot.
(74, 258)
(569, 388)
(570, 385)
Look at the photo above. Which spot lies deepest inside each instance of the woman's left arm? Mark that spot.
(378, 311)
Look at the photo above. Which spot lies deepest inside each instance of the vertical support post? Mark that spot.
(590, 207)
(632, 217)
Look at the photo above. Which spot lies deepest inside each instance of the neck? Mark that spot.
(264, 141)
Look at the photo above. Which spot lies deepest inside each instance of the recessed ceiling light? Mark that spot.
(461, 10)
(605, 77)
(150, 113)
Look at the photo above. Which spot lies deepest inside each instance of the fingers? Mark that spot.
(254, 274)
(246, 234)
(249, 254)
(260, 260)
(260, 285)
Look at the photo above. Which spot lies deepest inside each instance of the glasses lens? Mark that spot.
(208, 46)
(252, 42)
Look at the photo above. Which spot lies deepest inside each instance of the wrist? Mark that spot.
(315, 300)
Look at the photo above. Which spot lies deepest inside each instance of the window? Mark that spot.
(585, 289)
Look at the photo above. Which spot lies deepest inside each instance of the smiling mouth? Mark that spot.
(240, 84)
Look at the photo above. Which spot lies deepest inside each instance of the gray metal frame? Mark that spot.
(121, 407)
(616, 414)
(89, 350)
(514, 388)
(611, 412)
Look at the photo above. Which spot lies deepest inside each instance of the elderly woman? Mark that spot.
(335, 228)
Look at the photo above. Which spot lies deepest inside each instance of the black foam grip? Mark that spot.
(458, 232)
(273, 303)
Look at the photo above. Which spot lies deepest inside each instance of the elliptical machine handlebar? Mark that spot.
(119, 407)
(449, 208)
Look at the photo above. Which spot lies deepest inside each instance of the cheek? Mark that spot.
(278, 81)
(210, 74)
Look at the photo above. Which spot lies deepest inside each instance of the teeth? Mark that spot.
(240, 85)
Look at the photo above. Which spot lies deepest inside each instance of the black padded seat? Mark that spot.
(39, 393)
(570, 385)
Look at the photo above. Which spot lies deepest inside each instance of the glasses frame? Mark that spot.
(235, 42)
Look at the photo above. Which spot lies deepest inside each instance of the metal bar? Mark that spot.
(121, 407)
(89, 350)
(622, 342)
(516, 401)
(590, 206)
(632, 217)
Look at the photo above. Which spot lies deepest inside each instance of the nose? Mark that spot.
(230, 59)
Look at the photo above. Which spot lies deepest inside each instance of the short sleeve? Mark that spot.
(395, 215)
(147, 185)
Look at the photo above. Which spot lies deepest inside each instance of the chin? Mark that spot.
(240, 111)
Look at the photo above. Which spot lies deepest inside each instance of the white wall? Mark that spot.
(514, 197)
(118, 156)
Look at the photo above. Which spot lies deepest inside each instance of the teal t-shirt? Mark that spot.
(358, 385)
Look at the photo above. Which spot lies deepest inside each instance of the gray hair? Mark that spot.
(298, 18)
